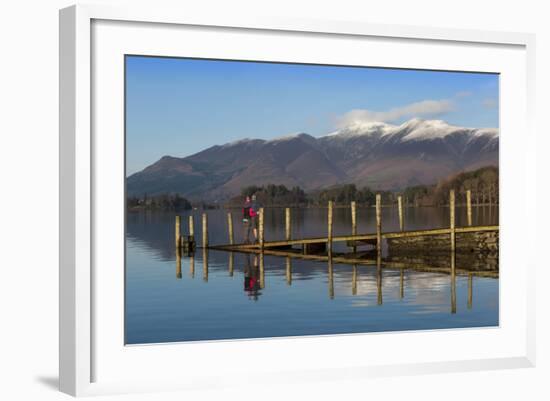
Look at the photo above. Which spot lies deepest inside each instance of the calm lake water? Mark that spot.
(228, 297)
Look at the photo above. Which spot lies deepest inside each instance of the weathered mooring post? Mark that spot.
(354, 223)
(261, 237)
(204, 230)
(400, 210)
(378, 224)
(178, 232)
(452, 218)
(288, 263)
(287, 224)
(191, 226)
(469, 206)
(230, 227)
(329, 228)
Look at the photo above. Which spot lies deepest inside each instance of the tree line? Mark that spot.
(483, 184)
(173, 202)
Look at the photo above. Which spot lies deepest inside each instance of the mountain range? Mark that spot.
(379, 155)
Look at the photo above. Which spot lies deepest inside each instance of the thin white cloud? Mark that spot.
(462, 94)
(425, 108)
(489, 103)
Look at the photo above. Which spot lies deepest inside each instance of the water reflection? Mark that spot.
(252, 278)
(288, 270)
(295, 295)
(330, 278)
(453, 283)
(254, 273)
(205, 264)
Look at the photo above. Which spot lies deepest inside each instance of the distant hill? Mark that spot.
(378, 155)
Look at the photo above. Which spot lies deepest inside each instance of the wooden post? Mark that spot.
(469, 206)
(288, 270)
(191, 226)
(204, 230)
(329, 228)
(178, 232)
(287, 224)
(400, 209)
(230, 227)
(378, 224)
(354, 223)
(452, 218)
(261, 228)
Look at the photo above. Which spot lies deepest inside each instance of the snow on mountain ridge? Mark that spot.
(414, 129)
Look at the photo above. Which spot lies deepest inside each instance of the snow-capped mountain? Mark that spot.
(379, 155)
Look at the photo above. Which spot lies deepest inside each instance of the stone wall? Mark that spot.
(483, 241)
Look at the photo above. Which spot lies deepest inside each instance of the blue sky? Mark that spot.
(177, 106)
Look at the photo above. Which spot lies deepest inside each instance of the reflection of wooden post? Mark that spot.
(288, 270)
(262, 271)
(469, 206)
(204, 230)
(400, 210)
(452, 218)
(379, 278)
(261, 228)
(354, 281)
(470, 291)
(178, 231)
(192, 265)
(378, 224)
(178, 263)
(231, 263)
(287, 224)
(453, 283)
(230, 227)
(402, 284)
(205, 264)
(354, 223)
(330, 279)
(329, 228)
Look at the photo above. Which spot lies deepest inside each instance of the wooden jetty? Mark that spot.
(468, 238)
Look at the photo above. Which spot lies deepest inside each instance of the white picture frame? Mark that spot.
(82, 344)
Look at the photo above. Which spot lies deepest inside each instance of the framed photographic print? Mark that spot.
(345, 193)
